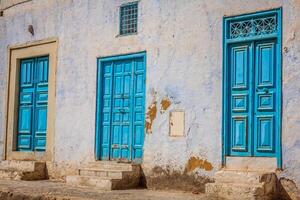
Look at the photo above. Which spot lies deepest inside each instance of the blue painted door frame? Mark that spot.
(252, 85)
(33, 103)
(120, 109)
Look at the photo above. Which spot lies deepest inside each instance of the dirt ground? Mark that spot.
(49, 190)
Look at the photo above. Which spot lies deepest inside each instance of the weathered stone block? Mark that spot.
(23, 170)
(245, 185)
(107, 176)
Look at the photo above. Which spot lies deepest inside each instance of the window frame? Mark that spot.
(120, 18)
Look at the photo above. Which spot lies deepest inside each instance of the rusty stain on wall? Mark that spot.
(164, 104)
(151, 115)
(195, 162)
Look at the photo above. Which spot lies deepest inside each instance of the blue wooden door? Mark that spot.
(266, 108)
(254, 109)
(33, 100)
(252, 85)
(120, 108)
(240, 60)
(121, 112)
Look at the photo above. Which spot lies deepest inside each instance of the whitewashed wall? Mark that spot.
(183, 40)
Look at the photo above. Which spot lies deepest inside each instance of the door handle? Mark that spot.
(121, 110)
(124, 96)
(264, 90)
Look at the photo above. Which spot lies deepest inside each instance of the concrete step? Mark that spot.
(22, 170)
(237, 191)
(89, 181)
(106, 165)
(230, 184)
(10, 174)
(116, 174)
(232, 176)
(102, 183)
(106, 176)
(254, 164)
(22, 165)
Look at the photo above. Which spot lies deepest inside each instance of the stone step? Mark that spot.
(10, 174)
(232, 176)
(102, 183)
(106, 176)
(254, 164)
(117, 174)
(89, 181)
(105, 165)
(22, 165)
(237, 191)
(230, 184)
(22, 170)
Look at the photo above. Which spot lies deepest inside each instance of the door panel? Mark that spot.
(26, 105)
(138, 107)
(106, 109)
(33, 100)
(264, 133)
(239, 133)
(265, 92)
(41, 106)
(24, 130)
(240, 64)
(122, 109)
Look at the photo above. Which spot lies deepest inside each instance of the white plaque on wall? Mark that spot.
(176, 123)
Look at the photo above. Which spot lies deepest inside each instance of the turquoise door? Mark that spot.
(252, 85)
(120, 108)
(254, 108)
(33, 100)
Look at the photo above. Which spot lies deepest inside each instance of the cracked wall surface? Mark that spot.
(183, 41)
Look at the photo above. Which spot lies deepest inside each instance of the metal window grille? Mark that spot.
(253, 27)
(128, 18)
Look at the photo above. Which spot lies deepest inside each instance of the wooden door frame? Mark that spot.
(225, 85)
(47, 47)
(100, 60)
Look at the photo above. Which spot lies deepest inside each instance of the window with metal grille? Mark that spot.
(258, 26)
(128, 18)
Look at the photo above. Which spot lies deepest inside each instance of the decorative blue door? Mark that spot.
(120, 107)
(252, 85)
(239, 62)
(33, 100)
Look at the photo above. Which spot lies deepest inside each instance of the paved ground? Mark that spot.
(47, 190)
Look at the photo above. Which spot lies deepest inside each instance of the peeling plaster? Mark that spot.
(195, 162)
(150, 116)
(164, 104)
